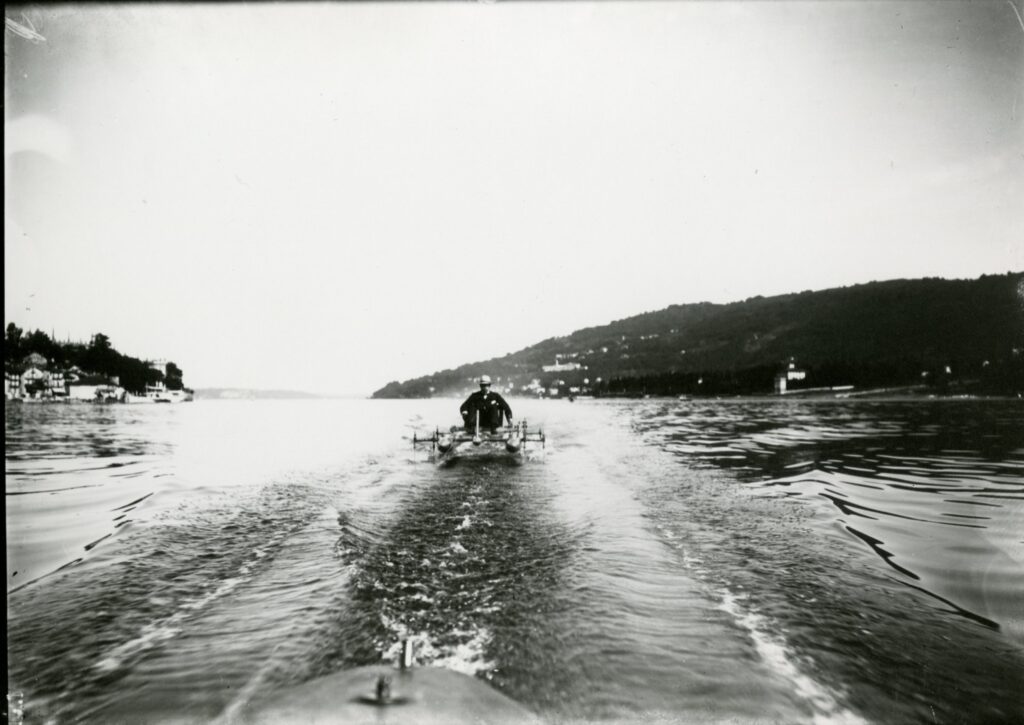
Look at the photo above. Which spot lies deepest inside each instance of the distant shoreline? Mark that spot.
(260, 394)
(871, 397)
(881, 394)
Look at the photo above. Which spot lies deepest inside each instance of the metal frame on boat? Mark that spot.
(508, 440)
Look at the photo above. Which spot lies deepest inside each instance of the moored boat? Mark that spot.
(160, 394)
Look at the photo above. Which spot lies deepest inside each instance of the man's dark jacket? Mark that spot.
(491, 406)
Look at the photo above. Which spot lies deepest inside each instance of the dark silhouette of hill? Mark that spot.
(931, 332)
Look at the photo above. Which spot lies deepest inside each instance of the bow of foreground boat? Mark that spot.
(383, 695)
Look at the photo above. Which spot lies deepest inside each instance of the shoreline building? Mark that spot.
(792, 372)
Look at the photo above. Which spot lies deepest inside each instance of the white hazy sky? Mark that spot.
(328, 197)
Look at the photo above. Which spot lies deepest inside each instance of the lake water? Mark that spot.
(735, 561)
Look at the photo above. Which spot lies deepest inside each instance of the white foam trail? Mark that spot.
(151, 635)
(779, 658)
(466, 657)
(247, 692)
(458, 548)
(165, 629)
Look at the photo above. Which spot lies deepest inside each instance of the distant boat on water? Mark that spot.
(160, 394)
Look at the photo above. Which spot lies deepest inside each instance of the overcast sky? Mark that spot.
(329, 197)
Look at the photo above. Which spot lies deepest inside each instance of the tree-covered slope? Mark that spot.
(880, 333)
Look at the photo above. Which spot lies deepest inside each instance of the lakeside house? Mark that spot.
(12, 386)
(37, 382)
(792, 372)
(561, 367)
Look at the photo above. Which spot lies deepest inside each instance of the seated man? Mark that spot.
(491, 406)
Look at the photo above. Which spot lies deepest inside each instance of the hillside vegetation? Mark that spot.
(968, 334)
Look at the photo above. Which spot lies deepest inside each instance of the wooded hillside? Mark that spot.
(901, 332)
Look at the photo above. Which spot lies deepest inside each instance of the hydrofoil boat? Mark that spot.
(509, 440)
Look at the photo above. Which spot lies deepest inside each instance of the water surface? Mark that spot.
(675, 561)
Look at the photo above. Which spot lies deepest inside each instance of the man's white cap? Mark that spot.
(484, 380)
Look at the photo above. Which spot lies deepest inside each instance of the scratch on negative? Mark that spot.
(1017, 13)
(26, 31)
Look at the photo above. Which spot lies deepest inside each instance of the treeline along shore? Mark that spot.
(38, 367)
(931, 335)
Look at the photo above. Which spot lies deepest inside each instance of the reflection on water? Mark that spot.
(62, 459)
(934, 489)
(845, 507)
(721, 561)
